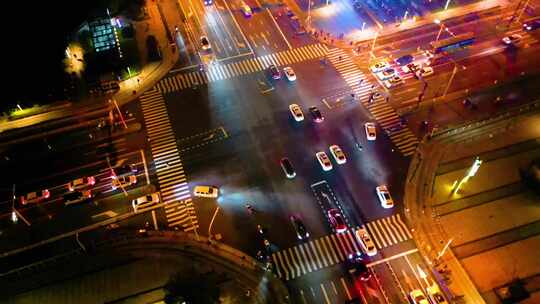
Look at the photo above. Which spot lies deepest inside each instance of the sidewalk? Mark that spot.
(130, 89)
(350, 41)
(420, 199)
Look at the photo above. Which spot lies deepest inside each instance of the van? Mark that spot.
(206, 191)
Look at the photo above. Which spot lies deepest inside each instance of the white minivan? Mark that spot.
(206, 191)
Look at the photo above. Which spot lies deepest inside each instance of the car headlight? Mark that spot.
(299, 236)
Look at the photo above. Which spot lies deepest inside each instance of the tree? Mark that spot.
(191, 287)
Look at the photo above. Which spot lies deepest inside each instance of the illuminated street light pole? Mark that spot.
(437, 21)
(373, 45)
(470, 173)
(446, 5)
(444, 249)
(211, 223)
(422, 274)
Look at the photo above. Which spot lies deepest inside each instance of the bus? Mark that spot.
(453, 43)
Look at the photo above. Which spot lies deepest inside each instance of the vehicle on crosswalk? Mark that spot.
(436, 295)
(296, 112)
(384, 196)
(316, 114)
(338, 154)
(366, 242)
(336, 220)
(287, 167)
(206, 191)
(323, 159)
(418, 297)
(388, 73)
(148, 199)
(289, 73)
(371, 131)
(357, 267)
(411, 67)
(379, 66)
(76, 197)
(393, 82)
(123, 181)
(424, 71)
(274, 72)
(299, 228)
(35, 197)
(205, 44)
(81, 183)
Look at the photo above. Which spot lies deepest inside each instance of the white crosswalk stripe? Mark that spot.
(218, 72)
(385, 115)
(332, 249)
(175, 193)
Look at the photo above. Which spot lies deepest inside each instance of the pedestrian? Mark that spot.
(339, 58)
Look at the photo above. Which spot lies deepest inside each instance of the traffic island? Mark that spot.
(146, 267)
(473, 218)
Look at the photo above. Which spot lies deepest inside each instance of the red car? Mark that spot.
(336, 220)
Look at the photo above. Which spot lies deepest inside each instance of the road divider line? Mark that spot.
(279, 29)
(238, 26)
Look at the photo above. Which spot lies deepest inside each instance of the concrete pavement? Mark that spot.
(472, 279)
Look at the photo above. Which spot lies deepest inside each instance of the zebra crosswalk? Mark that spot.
(218, 71)
(334, 248)
(172, 180)
(385, 115)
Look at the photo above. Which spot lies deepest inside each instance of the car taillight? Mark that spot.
(46, 194)
(91, 181)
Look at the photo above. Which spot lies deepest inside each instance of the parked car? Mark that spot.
(76, 197)
(35, 197)
(81, 183)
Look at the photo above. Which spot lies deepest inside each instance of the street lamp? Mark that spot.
(437, 21)
(211, 223)
(446, 5)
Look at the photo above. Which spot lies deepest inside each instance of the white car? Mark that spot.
(418, 297)
(324, 161)
(410, 68)
(148, 199)
(366, 242)
(205, 44)
(296, 112)
(393, 82)
(425, 71)
(81, 183)
(338, 154)
(371, 131)
(379, 66)
(384, 196)
(289, 73)
(512, 39)
(388, 73)
(123, 181)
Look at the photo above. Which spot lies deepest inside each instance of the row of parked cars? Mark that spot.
(80, 189)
